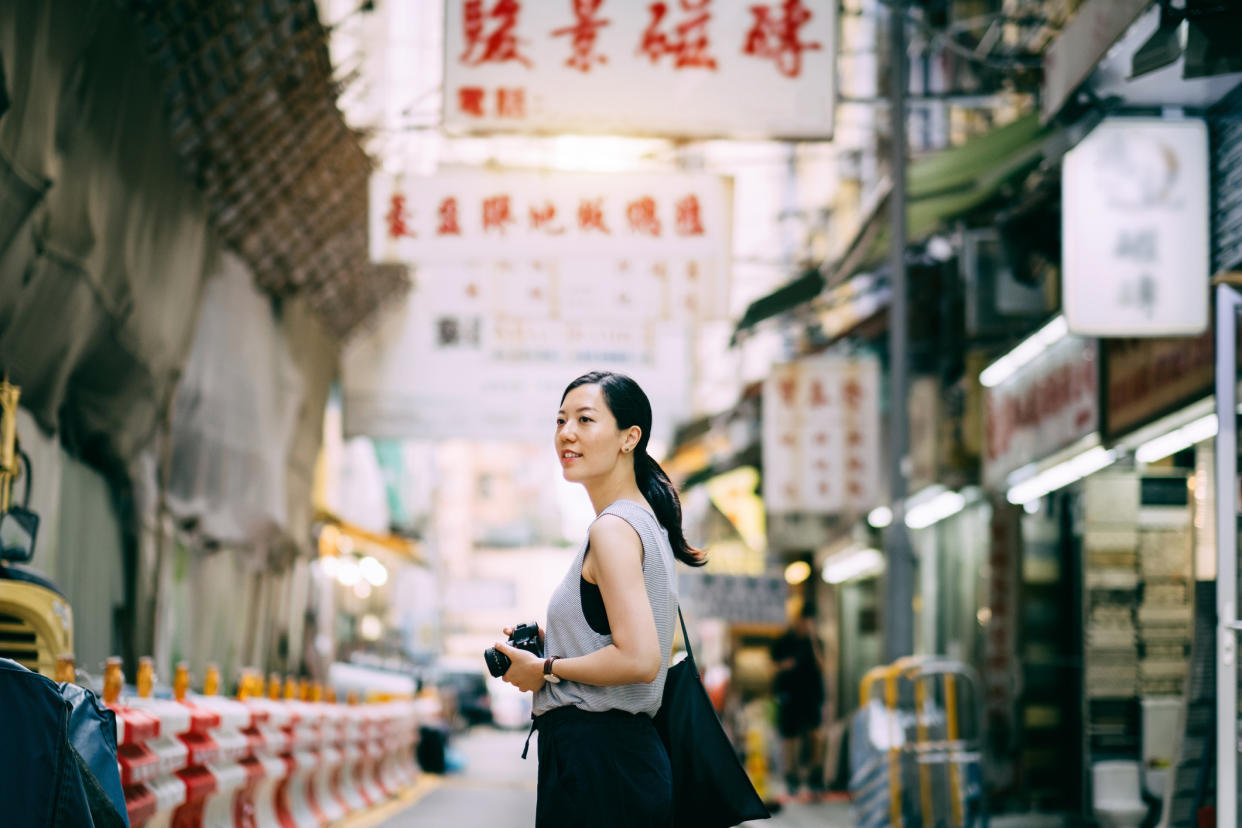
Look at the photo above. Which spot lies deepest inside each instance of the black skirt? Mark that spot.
(602, 769)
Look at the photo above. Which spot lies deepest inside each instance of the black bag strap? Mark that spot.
(685, 637)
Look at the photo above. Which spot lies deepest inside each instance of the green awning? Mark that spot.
(788, 296)
(961, 168)
(949, 184)
(939, 187)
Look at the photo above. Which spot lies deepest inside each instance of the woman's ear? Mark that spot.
(632, 439)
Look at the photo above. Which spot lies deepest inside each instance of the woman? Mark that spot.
(609, 632)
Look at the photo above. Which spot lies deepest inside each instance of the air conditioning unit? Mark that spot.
(995, 297)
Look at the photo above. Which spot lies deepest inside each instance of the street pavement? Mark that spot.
(497, 789)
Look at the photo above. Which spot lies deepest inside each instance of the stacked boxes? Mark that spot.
(1164, 615)
(1111, 587)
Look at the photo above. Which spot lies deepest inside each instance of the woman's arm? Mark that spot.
(634, 656)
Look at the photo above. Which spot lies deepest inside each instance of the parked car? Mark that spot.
(463, 688)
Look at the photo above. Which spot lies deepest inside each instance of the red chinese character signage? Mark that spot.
(448, 218)
(591, 216)
(655, 244)
(543, 219)
(583, 34)
(642, 216)
(689, 222)
(1045, 406)
(489, 32)
(523, 276)
(398, 218)
(681, 68)
(821, 423)
(775, 35)
(684, 39)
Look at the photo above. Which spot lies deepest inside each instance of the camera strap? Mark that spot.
(526, 747)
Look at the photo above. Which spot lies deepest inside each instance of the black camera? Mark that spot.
(525, 637)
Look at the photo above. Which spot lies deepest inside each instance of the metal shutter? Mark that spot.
(1225, 128)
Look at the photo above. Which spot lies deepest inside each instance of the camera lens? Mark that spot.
(497, 662)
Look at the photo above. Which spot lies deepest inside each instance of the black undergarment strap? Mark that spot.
(593, 608)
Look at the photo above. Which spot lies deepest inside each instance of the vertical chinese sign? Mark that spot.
(683, 68)
(524, 280)
(821, 436)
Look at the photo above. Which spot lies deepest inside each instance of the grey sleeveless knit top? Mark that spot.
(568, 635)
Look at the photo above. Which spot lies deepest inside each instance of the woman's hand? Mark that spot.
(526, 670)
(508, 631)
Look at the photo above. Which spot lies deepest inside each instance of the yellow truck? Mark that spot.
(36, 622)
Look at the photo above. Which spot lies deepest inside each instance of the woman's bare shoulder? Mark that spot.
(613, 531)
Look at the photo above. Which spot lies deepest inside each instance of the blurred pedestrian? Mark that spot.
(799, 691)
(609, 631)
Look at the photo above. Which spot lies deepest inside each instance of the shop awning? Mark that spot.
(940, 187)
(787, 297)
(364, 539)
(947, 185)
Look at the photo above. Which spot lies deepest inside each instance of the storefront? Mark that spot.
(1041, 436)
(1114, 525)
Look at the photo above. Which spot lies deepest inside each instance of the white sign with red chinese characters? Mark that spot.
(821, 436)
(1044, 407)
(523, 281)
(684, 68)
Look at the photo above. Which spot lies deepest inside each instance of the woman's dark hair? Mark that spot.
(630, 406)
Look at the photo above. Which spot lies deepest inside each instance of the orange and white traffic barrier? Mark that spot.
(137, 763)
(256, 803)
(185, 748)
(235, 768)
(372, 752)
(296, 805)
(148, 754)
(331, 757)
(345, 777)
(255, 762)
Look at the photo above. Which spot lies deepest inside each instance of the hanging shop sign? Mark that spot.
(523, 281)
(1148, 378)
(1135, 238)
(821, 441)
(924, 418)
(1044, 406)
(740, 599)
(690, 68)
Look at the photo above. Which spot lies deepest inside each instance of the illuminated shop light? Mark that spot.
(329, 564)
(1177, 439)
(1060, 475)
(373, 571)
(853, 563)
(797, 572)
(880, 517)
(371, 628)
(933, 508)
(1026, 352)
(347, 571)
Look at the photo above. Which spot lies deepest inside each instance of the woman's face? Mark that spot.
(588, 442)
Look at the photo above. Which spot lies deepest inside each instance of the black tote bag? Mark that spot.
(710, 787)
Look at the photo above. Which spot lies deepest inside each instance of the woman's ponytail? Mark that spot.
(661, 494)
